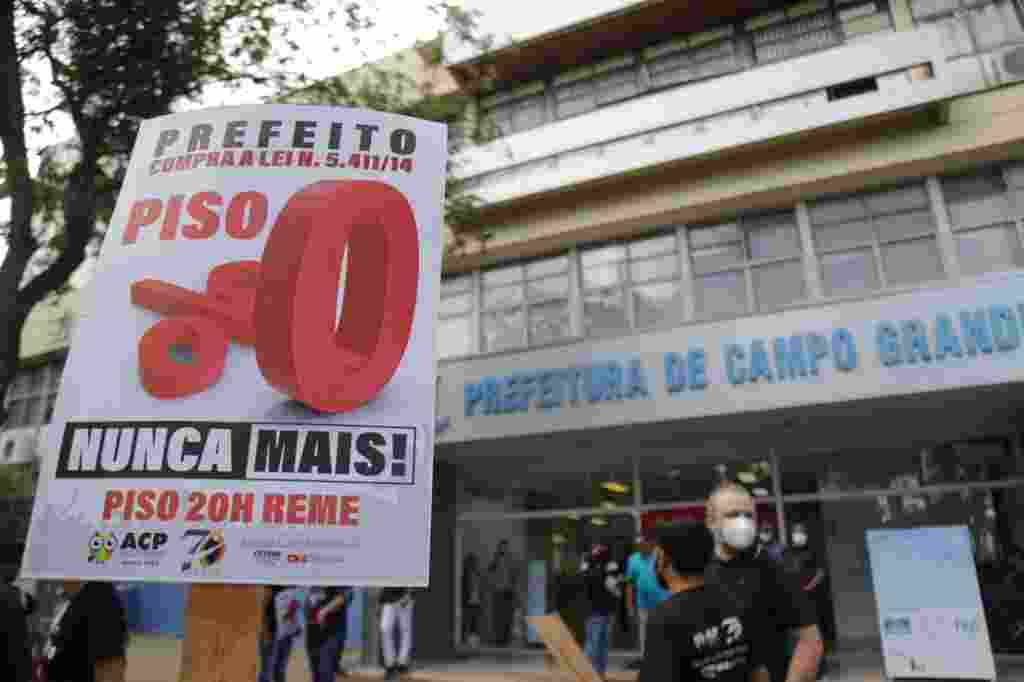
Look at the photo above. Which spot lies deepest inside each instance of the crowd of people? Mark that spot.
(716, 600)
(712, 601)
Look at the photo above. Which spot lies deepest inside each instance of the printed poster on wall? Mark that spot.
(929, 604)
(249, 395)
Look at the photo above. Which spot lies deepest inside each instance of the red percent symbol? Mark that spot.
(286, 304)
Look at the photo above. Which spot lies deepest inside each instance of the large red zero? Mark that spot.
(300, 348)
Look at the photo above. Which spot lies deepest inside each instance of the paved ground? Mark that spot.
(157, 659)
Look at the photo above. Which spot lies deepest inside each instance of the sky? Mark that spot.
(400, 24)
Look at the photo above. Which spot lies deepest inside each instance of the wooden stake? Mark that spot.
(222, 632)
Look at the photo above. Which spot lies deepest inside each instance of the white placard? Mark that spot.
(930, 612)
(249, 396)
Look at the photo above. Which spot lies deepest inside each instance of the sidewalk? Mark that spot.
(158, 659)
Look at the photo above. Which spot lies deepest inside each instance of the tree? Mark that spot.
(114, 63)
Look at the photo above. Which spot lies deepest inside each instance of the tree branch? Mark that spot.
(12, 135)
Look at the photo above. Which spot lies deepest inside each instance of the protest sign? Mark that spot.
(249, 395)
(930, 612)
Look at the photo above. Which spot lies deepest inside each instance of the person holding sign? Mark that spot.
(16, 664)
(326, 630)
(756, 580)
(700, 631)
(88, 636)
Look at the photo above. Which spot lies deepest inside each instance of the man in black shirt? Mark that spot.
(326, 630)
(700, 632)
(16, 664)
(756, 580)
(88, 636)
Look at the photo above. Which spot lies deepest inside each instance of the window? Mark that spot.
(526, 304)
(870, 241)
(455, 317)
(516, 111)
(635, 284)
(972, 25)
(799, 29)
(753, 264)
(704, 55)
(984, 222)
(32, 395)
(594, 86)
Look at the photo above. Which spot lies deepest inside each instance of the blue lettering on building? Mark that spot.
(947, 336)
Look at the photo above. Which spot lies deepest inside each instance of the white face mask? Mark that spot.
(739, 532)
(799, 539)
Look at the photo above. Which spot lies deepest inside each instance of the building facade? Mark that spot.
(774, 242)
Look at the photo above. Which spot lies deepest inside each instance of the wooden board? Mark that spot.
(563, 647)
(222, 632)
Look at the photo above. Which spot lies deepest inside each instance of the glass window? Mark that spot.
(996, 24)
(455, 336)
(526, 304)
(849, 272)
(912, 262)
(778, 284)
(549, 322)
(638, 281)
(722, 294)
(895, 233)
(517, 115)
(989, 249)
(503, 330)
(773, 236)
(977, 199)
(657, 304)
(604, 312)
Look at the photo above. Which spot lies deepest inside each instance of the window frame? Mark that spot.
(877, 243)
(749, 264)
(1016, 217)
(627, 285)
(525, 303)
(30, 406)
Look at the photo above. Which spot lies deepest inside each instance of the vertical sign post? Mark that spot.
(249, 396)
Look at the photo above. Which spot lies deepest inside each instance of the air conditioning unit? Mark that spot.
(18, 446)
(1007, 65)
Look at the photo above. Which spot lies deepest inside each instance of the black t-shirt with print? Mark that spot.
(702, 634)
(753, 580)
(91, 628)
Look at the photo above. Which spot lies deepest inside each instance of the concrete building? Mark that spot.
(690, 203)
(775, 242)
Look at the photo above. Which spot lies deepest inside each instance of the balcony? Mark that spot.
(877, 76)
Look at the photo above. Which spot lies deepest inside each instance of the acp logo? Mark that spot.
(101, 547)
(205, 548)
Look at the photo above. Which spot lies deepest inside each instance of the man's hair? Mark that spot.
(718, 491)
(688, 546)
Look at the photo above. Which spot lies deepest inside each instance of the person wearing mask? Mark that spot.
(643, 592)
(16, 664)
(801, 564)
(396, 619)
(603, 585)
(755, 580)
(700, 632)
(503, 579)
(281, 625)
(88, 636)
(326, 630)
